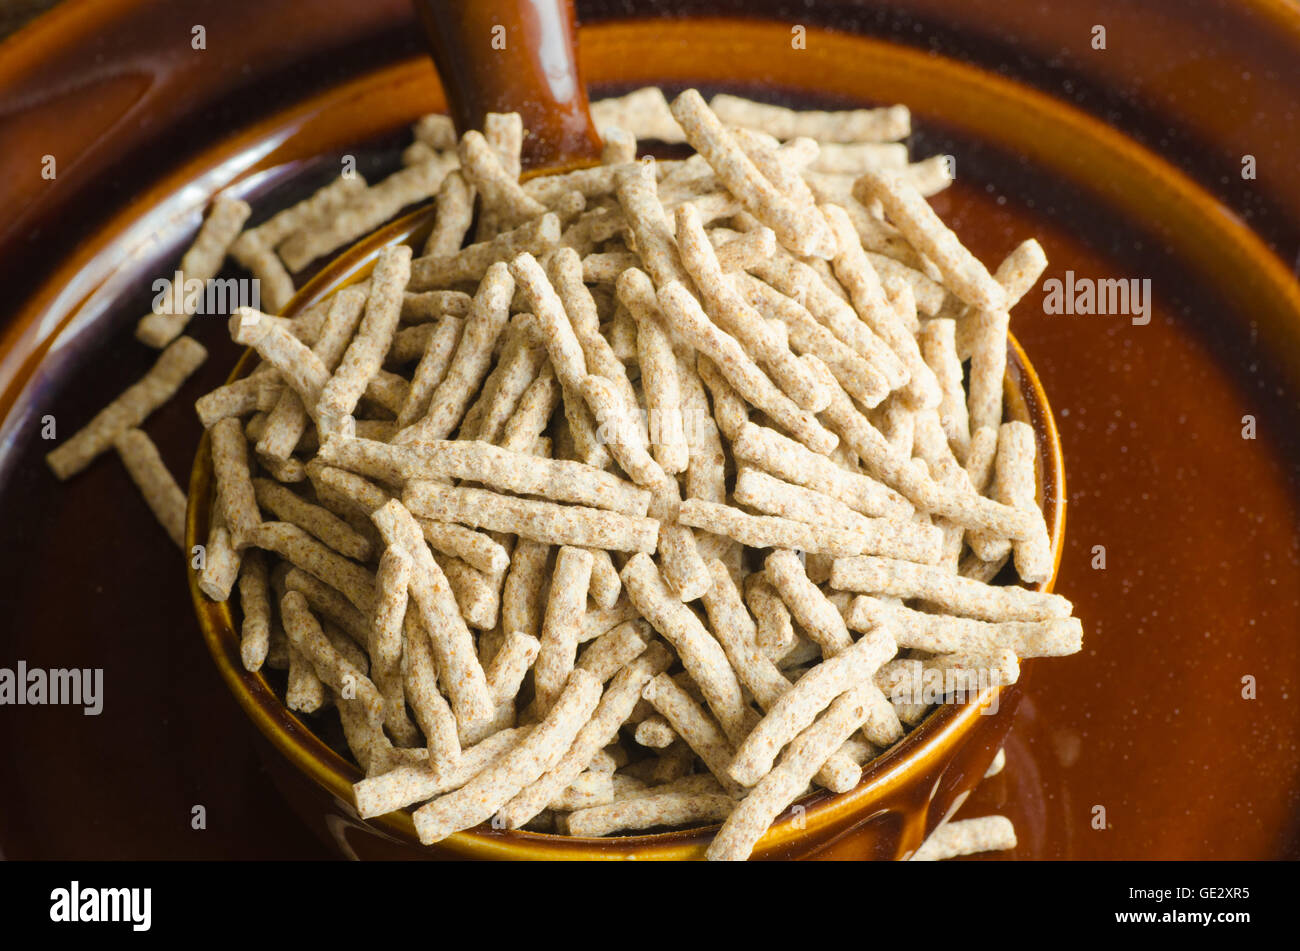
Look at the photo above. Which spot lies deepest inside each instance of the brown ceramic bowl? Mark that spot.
(903, 794)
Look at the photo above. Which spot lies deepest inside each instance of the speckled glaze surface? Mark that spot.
(1124, 164)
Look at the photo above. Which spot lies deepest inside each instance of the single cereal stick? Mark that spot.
(1016, 485)
(701, 654)
(930, 444)
(274, 284)
(903, 540)
(612, 712)
(301, 550)
(520, 767)
(684, 315)
(758, 490)
(939, 347)
(430, 306)
(274, 340)
(316, 208)
(233, 485)
(385, 641)
(616, 647)
(807, 604)
(374, 336)
(953, 594)
(988, 349)
(967, 837)
(963, 274)
(592, 788)
(620, 430)
(304, 692)
(859, 278)
(795, 228)
(255, 603)
(333, 668)
(459, 669)
(487, 319)
(370, 209)
(654, 732)
(561, 625)
(432, 712)
(602, 621)
(775, 634)
(287, 422)
(453, 216)
(659, 375)
(220, 559)
(201, 263)
(650, 227)
(732, 313)
(695, 726)
(436, 131)
(408, 784)
(160, 491)
(256, 393)
(668, 809)
(500, 191)
(941, 634)
(501, 469)
(783, 784)
(806, 336)
(537, 236)
(729, 410)
(618, 147)
(522, 597)
(436, 359)
(476, 594)
(738, 635)
(706, 476)
(606, 585)
(980, 456)
(325, 525)
(542, 521)
(510, 664)
(887, 124)
(644, 113)
(774, 453)
(130, 409)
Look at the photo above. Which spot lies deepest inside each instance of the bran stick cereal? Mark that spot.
(325, 525)
(385, 641)
(303, 551)
(963, 274)
(487, 318)
(731, 312)
(234, 485)
(700, 653)
(819, 618)
(616, 647)
(611, 712)
(643, 113)
(510, 665)
(201, 263)
(939, 348)
(159, 490)
(955, 595)
(436, 359)
(499, 190)
(453, 216)
(1016, 486)
(561, 624)
(738, 635)
(331, 667)
(943, 634)
(432, 712)
(542, 521)
(374, 336)
(459, 670)
(130, 409)
(649, 224)
(887, 124)
(654, 732)
(683, 314)
(606, 585)
(775, 634)
(797, 230)
(671, 809)
(967, 837)
(367, 211)
(220, 559)
(533, 414)
(520, 767)
(783, 784)
(471, 263)
(255, 603)
(700, 731)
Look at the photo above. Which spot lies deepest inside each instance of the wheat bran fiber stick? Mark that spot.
(523, 765)
(943, 634)
(385, 641)
(966, 837)
(443, 755)
(699, 731)
(561, 624)
(160, 492)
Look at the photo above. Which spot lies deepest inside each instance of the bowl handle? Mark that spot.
(515, 56)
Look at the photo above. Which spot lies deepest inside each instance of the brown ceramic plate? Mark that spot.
(1200, 583)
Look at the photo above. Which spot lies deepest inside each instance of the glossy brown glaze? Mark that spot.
(1201, 582)
(515, 56)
